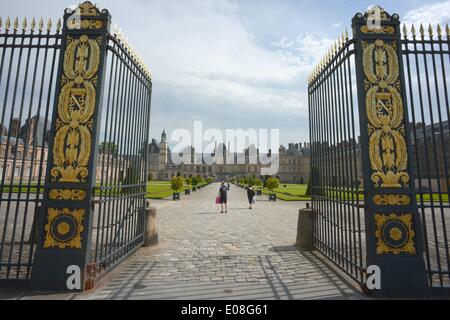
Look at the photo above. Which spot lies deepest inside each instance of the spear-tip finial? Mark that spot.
(24, 24)
(16, 24)
(430, 30)
(41, 24)
(1, 22)
(405, 31)
(58, 26)
(439, 30)
(413, 30)
(49, 25)
(422, 31)
(33, 24)
(8, 23)
(447, 30)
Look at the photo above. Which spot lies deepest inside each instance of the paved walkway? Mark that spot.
(240, 255)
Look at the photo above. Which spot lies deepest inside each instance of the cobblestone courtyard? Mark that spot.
(203, 254)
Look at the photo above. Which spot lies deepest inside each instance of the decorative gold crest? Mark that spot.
(64, 228)
(76, 106)
(385, 113)
(85, 24)
(395, 234)
(388, 29)
(88, 9)
(392, 200)
(67, 194)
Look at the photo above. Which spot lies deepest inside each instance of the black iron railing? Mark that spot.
(336, 175)
(122, 165)
(426, 57)
(28, 70)
(336, 161)
(28, 58)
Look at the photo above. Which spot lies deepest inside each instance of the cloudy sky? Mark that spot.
(233, 63)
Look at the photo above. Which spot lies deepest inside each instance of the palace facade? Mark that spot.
(294, 163)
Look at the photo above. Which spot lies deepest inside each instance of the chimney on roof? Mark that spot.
(14, 128)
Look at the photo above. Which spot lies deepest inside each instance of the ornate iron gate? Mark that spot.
(29, 57)
(72, 190)
(336, 161)
(379, 117)
(426, 56)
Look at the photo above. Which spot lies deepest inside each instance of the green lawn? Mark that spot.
(161, 189)
(292, 192)
(297, 192)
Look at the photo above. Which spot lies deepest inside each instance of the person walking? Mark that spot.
(223, 193)
(251, 194)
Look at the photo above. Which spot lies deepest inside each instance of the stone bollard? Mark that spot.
(151, 232)
(305, 229)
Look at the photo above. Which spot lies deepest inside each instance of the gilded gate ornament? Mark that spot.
(392, 200)
(395, 234)
(88, 9)
(63, 229)
(388, 29)
(76, 106)
(67, 194)
(385, 113)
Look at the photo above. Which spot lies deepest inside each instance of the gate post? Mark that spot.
(393, 226)
(65, 222)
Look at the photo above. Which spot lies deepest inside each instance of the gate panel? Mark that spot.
(122, 165)
(29, 53)
(93, 206)
(337, 194)
(426, 57)
(403, 153)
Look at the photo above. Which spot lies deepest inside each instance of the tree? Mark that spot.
(258, 183)
(177, 184)
(109, 148)
(188, 181)
(251, 181)
(272, 184)
(194, 181)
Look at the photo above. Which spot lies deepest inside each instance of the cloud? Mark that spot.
(434, 13)
(337, 25)
(207, 64)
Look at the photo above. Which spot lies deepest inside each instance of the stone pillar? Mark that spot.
(305, 229)
(151, 232)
